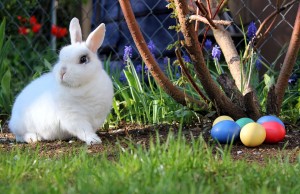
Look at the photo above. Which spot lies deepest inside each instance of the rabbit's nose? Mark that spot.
(63, 71)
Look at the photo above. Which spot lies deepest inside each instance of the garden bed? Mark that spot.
(141, 135)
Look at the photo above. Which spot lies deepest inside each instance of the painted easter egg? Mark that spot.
(275, 132)
(222, 118)
(225, 131)
(253, 134)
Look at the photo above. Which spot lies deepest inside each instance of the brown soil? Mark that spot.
(289, 148)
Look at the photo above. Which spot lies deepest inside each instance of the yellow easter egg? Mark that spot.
(222, 118)
(253, 134)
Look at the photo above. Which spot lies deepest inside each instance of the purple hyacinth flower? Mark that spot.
(186, 58)
(151, 47)
(251, 30)
(216, 52)
(293, 79)
(146, 69)
(208, 44)
(138, 68)
(122, 77)
(258, 63)
(166, 60)
(127, 53)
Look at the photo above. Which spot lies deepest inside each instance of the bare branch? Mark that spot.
(197, 22)
(252, 105)
(277, 11)
(232, 58)
(193, 48)
(289, 61)
(208, 7)
(204, 12)
(230, 53)
(188, 75)
(160, 78)
(259, 34)
(272, 106)
(231, 90)
(221, 4)
(204, 20)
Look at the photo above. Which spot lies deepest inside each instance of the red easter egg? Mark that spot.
(275, 132)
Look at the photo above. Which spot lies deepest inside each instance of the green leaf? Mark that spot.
(4, 51)
(131, 81)
(5, 83)
(5, 92)
(2, 32)
(298, 104)
(116, 108)
(47, 64)
(269, 81)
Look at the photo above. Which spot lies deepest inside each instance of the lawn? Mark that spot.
(169, 162)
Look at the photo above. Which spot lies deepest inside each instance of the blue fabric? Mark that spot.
(152, 16)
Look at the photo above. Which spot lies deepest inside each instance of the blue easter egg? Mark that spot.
(269, 118)
(225, 131)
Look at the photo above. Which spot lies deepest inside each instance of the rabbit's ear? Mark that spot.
(95, 39)
(75, 31)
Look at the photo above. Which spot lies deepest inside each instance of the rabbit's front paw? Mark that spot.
(31, 137)
(92, 139)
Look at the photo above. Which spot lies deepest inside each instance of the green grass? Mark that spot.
(176, 166)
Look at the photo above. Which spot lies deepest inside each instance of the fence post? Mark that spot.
(86, 16)
(54, 4)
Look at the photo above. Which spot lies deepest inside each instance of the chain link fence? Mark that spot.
(32, 43)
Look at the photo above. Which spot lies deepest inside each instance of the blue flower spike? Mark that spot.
(127, 53)
(251, 30)
(151, 46)
(208, 44)
(216, 52)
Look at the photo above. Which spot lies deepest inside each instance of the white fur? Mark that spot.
(72, 100)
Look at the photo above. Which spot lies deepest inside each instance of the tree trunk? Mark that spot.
(193, 48)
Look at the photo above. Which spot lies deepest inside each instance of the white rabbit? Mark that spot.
(73, 99)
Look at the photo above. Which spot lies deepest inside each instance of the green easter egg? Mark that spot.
(244, 121)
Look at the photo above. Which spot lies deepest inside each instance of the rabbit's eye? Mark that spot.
(84, 59)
